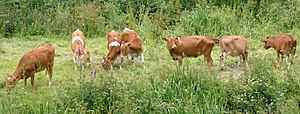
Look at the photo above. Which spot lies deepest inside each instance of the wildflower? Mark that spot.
(79, 51)
(93, 73)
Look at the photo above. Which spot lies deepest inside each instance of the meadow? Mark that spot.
(157, 86)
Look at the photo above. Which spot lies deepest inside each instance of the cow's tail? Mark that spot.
(294, 45)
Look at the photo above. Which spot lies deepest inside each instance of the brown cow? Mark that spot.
(111, 37)
(80, 53)
(113, 57)
(31, 62)
(132, 44)
(233, 46)
(284, 44)
(191, 46)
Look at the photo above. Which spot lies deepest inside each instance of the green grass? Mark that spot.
(156, 87)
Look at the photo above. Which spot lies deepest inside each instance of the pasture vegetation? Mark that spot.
(158, 86)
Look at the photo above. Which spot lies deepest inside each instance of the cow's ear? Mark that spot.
(128, 44)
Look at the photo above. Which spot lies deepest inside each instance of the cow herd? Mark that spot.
(128, 44)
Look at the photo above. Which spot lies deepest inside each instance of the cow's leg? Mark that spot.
(130, 56)
(179, 62)
(245, 59)
(32, 79)
(278, 56)
(142, 57)
(282, 58)
(120, 66)
(75, 61)
(25, 81)
(50, 75)
(288, 60)
(222, 59)
(208, 60)
(240, 59)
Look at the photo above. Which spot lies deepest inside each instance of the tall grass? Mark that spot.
(39, 17)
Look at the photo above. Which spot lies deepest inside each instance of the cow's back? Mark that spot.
(46, 50)
(193, 46)
(234, 44)
(285, 43)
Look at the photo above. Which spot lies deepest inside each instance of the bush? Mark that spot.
(259, 92)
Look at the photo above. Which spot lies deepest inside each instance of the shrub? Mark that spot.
(258, 92)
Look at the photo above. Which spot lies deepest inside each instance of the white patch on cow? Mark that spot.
(8, 78)
(127, 29)
(121, 45)
(77, 30)
(77, 38)
(174, 46)
(179, 41)
(114, 43)
(115, 38)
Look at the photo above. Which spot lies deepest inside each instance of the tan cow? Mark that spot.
(132, 44)
(111, 37)
(284, 44)
(113, 57)
(191, 46)
(32, 62)
(80, 53)
(233, 46)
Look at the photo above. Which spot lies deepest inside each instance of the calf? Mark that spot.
(191, 46)
(234, 46)
(80, 53)
(113, 56)
(284, 44)
(132, 44)
(32, 62)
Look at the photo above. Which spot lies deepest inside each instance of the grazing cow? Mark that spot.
(191, 46)
(80, 53)
(113, 57)
(132, 44)
(111, 37)
(234, 46)
(32, 62)
(284, 44)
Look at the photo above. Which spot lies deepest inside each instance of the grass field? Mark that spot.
(157, 86)
(154, 87)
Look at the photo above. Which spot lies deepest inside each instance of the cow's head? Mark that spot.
(268, 43)
(10, 81)
(172, 42)
(85, 57)
(105, 63)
